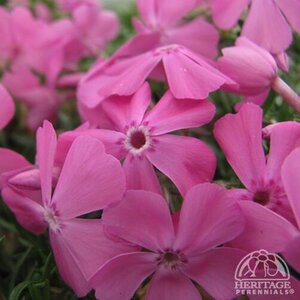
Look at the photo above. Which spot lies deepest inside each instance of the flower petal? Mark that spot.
(29, 213)
(110, 138)
(197, 35)
(140, 174)
(240, 138)
(7, 107)
(290, 175)
(112, 280)
(227, 12)
(290, 10)
(292, 253)
(171, 114)
(90, 179)
(189, 79)
(88, 245)
(223, 222)
(170, 284)
(46, 149)
(214, 271)
(274, 38)
(142, 218)
(11, 160)
(125, 111)
(187, 161)
(264, 229)
(284, 138)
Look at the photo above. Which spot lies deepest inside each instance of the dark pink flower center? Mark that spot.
(262, 197)
(172, 259)
(138, 140)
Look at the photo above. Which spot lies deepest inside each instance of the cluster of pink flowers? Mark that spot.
(110, 164)
(40, 56)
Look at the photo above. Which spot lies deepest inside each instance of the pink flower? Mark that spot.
(188, 75)
(255, 71)
(7, 107)
(90, 180)
(264, 202)
(22, 38)
(275, 37)
(42, 100)
(173, 256)
(142, 139)
(290, 175)
(95, 27)
(166, 18)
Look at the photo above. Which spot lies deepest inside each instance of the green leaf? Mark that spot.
(18, 290)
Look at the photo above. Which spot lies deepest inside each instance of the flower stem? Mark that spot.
(287, 93)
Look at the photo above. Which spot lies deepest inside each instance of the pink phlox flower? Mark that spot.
(270, 220)
(95, 27)
(172, 258)
(89, 181)
(142, 138)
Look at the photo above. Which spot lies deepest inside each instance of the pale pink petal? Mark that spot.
(11, 160)
(284, 138)
(240, 138)
(28, 212)
(227, 12)
(7, 110)
(187, 161)
(264, 229)
(140, 174)
(67, 265)
(112, 141)
(214, 271)
(292, 253)
(142, 218)
(199, 230)
(171, 284)
(121, 276)
(88, 245)
(197, 35)
(188, 79)
(90, 179)
(46, 149)
(275, 38)
(290, 175)
(291, 10)
(171, 114)
(125, 111)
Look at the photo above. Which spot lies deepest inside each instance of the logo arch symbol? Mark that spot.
(262, 265)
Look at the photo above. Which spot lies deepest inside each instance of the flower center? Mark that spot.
(137, 140)
(262, 197)
(171, 259)
(51, 218)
